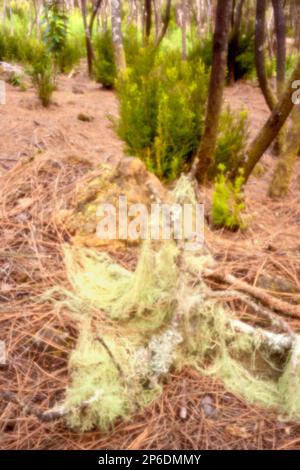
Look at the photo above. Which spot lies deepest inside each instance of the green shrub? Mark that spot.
(70, 54)
(228, 201)
(20, 48)
(244, 66)
(232, 140)
(132, 44)
(15, 80)
(104, 67)
(43, 79)
(65, 45)
(162, 105)
(202, 49)
(55, 30)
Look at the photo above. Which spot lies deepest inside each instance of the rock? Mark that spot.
(78, 90)
(85, 117)
(3, 357)
(208, 407)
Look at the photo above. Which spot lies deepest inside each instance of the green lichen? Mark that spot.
(135, 325)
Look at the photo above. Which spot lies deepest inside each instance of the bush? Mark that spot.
(202, 49)
(70, 55)
(19, 48)
(104, 67)
(43, 79)
(16, 81)
(244, 66)
(232, 140)
(228, 201)
(162, 106)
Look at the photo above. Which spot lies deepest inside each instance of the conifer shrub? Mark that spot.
(20, 49)
(228, 201)
(244, 66)
(162, 107)
(203, 49)
(55, 33)
(105, 70)
(232, 140)
(43, 78)
(70, 54)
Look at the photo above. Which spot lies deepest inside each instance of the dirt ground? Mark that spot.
(28, 129)
(270, 245)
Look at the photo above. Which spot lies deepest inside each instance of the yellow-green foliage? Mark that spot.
(227, 201)
(232, 140)
(105, 70)
(43, 79)
(162, 105)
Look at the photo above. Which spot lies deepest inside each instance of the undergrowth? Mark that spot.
(228, 201)
(162, 105)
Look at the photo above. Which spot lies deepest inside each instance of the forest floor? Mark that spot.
(270, 246)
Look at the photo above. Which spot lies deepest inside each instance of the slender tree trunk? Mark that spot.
(183, 29)
(165, 25)
(96, 8)
(260, 53)
(273, 125)
(234, 39)
(148, 20)
(4, 14)
(88, 39)
(157, 19)
(284, 169)
(207, 149)
(11, 26)
(280, 29)
(116, 22)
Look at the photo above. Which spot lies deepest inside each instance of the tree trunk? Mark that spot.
(88, 40)
(4, 14)
(116, 23)
(206, 152)
(183, 30)
(273, 125)
(165, 25)
(284, 169)
(260, 53)
(95, 11)
(280, 29)
(234, 40)
(148, 19)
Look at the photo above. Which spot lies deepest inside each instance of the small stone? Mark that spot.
(85, 117)
(3, 359)
(77, 90)
(208, 407)
(183, 414)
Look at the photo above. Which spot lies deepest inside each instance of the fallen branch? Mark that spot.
(258, 309)
(275, 304)
(54, 414)
(276, 341)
